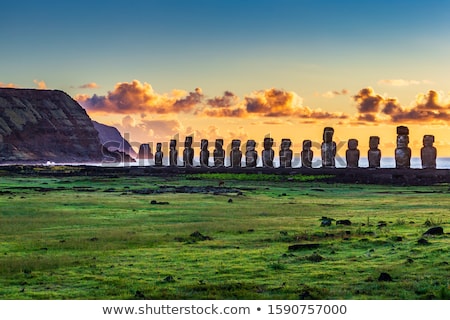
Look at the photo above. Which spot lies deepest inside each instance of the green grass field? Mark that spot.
(101, 238)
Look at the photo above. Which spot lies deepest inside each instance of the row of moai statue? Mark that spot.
(428, 152)
(251, 155)
(328, 152)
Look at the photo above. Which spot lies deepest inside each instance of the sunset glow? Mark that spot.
(233, 70)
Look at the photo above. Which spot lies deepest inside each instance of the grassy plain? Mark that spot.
(101, 238)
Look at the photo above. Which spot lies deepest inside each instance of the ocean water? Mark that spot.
(386, 162)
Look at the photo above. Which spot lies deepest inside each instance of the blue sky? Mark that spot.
(323, 51)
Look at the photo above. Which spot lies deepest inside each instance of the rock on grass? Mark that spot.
(435, 231)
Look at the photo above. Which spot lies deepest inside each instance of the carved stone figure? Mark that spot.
(173, 153)
(352, 154)
(328, 148)
(268, 153)
(402, 152)
(286, 153)
(158, 155)
(204, 153)
(251, 156)
(219, 153)
(374, 154)
(307, 154)
(235, 154)
(188, 152)
(428, 153)
(144, 152)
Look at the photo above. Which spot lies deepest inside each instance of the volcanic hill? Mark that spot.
(45, 125)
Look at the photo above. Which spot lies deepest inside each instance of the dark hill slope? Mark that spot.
(45, 125)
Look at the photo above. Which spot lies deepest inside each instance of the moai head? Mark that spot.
(251, 144)
(204, 144)
(428, 140)
(188, 142)
(307, 144)
(374, 141)
(219, 144)
(285, 144)
(173, 144)
(235, 144)
(328, 134)
(402, 141)
(158, 146)
(402, 130)
(352, 144)
(268, 143)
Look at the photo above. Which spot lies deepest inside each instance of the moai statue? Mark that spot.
(251, 156)
(173, 153)
(374, 154)
(188, 153)
(307, 154)
(352, 154)
(286, 153)
(219, 154)
(268, 153)
(144, 152)
(402, 152)
(328, 148)
(428, 153)
(158, 155)
(204, 153)
(235, 154)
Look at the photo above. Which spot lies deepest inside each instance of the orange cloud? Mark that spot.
(8, 85)
(271, 103)
(402, 82)
(137, 97)
(335, 93)
(40, 84)
(428, 107)
(90, 85)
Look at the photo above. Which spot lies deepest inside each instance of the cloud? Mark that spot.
(335, 93)
(428, 108)
(40, 84)
(8, 85)
(91, 85)
(137, 97)
(274, 103)
(228, 99)
(402, 82)
(367, 101)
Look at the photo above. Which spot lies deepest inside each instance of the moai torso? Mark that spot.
(235, 154)
(428, 153)
(158, 155)
(402, 152)
(328, 148)
(188, 152)
(173, 154)
(204, 153)
(374, 154)
(286, 153)
(219, 154)
(307, 154)
(268, 153)
(251, 156)
(352, 154)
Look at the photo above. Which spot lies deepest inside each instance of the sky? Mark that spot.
(159, 70)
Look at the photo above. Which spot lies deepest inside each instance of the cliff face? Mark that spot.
(45, 125)
(111, 138)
